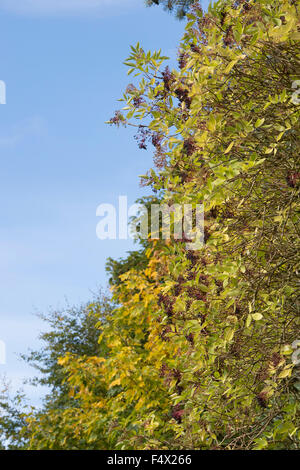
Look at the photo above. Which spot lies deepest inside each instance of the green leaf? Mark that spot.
(259, 122)
(257, 316)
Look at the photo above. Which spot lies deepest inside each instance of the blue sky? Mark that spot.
(62, 65)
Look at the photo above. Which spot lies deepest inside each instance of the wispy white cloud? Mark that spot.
(33, 126)
(65, 7)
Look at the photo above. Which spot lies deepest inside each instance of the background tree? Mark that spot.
(13, 412)
(71, 330)
(181, 7)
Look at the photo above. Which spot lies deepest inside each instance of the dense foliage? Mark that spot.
(199, 346)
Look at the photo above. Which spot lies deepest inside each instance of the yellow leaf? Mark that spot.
(229, 147)
(230, 65)
(212, 123)
(114, 383)
(286, 372)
